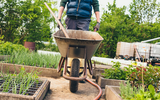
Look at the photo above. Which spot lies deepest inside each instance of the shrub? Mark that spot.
(39, 45)
(47, 47)
(151, 76)
(115, 72)
(7, 48)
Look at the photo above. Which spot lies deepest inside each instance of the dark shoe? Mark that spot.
(83, 81)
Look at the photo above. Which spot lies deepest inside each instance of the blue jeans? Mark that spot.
(78, 24)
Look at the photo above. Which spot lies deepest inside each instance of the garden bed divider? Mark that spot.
(102, 82)
(112, 92)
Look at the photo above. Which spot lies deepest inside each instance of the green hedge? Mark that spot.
(7, 48)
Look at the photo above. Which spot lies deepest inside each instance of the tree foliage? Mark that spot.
(27, 20)
(9, 18)
(144, 10)
(118, 26)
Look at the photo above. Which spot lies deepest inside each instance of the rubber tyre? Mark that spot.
(74, 73)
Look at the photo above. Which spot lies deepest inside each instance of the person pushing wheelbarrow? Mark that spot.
(79, 14)
(76, 44)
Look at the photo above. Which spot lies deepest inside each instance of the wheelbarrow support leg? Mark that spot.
(60, 64)
(90, 66)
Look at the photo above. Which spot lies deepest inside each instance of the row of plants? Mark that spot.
(141, 80)
(34, 59)
(21, 55)
(18, 83)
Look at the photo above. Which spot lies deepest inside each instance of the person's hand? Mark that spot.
(58, 24)
(97, 26)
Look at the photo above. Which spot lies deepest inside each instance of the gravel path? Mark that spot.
(59, 90)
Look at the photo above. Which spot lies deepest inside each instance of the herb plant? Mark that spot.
(133, 93)
(127, 92)
(115, 72)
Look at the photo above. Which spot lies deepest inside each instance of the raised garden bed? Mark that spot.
(99, 69)
(3, 57)
(102, 82)
(37, 91)
(112, 93)
(46, 72)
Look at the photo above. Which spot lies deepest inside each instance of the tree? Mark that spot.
(37, 20)
(9, 18)
(114, 23)
(26, 20)
(116, 26)
(144, 10)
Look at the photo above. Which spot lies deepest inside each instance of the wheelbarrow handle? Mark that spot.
(59, 23)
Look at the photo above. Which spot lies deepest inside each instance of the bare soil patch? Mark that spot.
(59, 90)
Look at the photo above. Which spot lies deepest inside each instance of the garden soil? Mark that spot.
(59, 90)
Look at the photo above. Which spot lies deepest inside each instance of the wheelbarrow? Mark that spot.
(77, 44)
(80, 44)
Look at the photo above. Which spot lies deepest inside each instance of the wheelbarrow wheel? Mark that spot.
(74, 73)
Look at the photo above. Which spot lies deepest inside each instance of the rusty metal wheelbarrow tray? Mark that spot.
(79, 38)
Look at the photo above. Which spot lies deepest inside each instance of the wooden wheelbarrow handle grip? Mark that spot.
(59, 23)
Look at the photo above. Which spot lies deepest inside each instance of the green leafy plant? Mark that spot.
(133, 93)
(115, 72)
(7, 48)
(127, 92)
(151, 76)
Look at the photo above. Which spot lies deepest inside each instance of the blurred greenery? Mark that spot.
(29, 20)
(118, 26)
(7, 48)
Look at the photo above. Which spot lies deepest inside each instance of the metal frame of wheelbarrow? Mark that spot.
(87, 44)
(84, 72)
